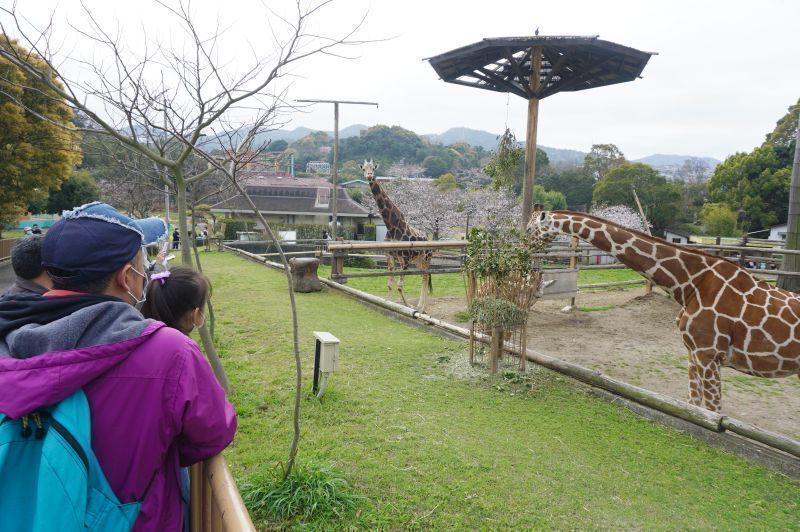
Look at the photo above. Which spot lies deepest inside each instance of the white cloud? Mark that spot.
(724, 74)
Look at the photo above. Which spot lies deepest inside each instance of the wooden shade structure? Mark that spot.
(535, 68)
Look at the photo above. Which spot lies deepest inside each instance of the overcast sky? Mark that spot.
(725, 73)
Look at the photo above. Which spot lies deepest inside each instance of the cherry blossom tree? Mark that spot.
(621, 215)
(492, 209)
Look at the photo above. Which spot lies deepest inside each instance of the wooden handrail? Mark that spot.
(413, 244)
(216, 505)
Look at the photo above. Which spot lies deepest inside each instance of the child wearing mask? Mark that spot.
(177, 297)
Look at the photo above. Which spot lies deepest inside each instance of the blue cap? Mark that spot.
(95, 239)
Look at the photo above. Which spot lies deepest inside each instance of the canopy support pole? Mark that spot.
(530, 137)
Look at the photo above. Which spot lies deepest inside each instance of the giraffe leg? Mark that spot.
(695, 382)
(423, 293)
(705, 382)
(401, 288)
(390, 269)
(712, 394)
(401, 282)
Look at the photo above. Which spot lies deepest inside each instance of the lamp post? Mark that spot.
(335, 172)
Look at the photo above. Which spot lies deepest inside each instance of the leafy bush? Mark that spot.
(234, 226)
(310, 490)
(719, 220)
(370, 232)
(463, 316)
(315, 231)
(495, 312)
(498, 254)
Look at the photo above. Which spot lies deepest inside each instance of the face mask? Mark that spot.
(139, 302)
(202, 322)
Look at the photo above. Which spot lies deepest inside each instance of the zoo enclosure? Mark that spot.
(562, 260)
(713, 422)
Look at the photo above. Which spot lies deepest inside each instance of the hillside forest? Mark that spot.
(745, 193)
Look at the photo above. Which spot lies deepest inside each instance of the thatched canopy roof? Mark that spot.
(568, 64)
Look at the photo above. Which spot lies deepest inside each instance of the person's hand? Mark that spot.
(162, 254)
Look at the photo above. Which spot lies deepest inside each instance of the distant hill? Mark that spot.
(564, 156)
(488, 141)
(350, 131)
(660, 159)
(666, 163)
(474, 137)
(291, 135)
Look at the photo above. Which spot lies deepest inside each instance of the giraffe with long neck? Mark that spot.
(728, 317)
(399, 230)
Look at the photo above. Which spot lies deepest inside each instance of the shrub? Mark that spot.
(233, 226)
(310, 490)
(495, 312)
(314, 231)
(359, 261)
(370, 232)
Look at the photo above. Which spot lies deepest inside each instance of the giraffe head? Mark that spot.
(540, 226)
(369, 169)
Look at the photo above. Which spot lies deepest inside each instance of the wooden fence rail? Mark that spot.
(216, 505)
(414, 244)
(566, 250)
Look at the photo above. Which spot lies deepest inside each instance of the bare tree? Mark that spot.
(161, 101)
(236, 157)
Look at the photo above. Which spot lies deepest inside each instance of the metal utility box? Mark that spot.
(327, 351)
(326, 359)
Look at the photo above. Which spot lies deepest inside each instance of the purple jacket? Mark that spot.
(155, 402)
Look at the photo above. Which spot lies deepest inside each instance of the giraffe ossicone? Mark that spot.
(728, 317)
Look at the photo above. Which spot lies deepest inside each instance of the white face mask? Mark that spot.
(202, 322)
(139, 302)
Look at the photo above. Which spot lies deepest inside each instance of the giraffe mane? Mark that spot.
(642, 234)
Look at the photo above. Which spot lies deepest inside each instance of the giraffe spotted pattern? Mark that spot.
(399, 230)
(728, 317)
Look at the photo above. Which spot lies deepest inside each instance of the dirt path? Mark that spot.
(633, 337)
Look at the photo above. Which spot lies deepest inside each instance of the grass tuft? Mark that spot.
(311, 490)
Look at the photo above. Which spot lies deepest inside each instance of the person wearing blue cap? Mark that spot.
(155, 403)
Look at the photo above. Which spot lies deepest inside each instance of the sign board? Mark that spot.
(564, 287)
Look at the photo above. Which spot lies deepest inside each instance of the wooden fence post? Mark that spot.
(472, 343)
(497, 346)
(573, 261)
(472, 284)
(337, 266)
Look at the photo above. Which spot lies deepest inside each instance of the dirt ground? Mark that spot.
(633, 337)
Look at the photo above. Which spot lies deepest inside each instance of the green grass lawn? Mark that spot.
(453, 284)
(427, 449)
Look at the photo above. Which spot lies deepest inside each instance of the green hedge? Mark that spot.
(233, 226)
(304, 231)
(314, 231)
(370, 232)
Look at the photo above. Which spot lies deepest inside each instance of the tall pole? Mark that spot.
(649, 283)
(166, 187)
(530, 137)
(335, 173)
(792, 262)
(166, 205)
